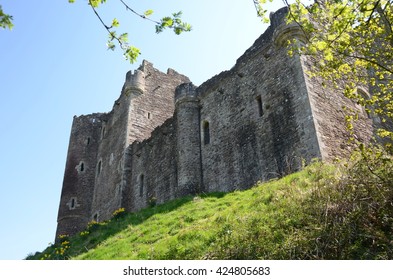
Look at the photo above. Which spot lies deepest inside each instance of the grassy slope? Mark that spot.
(280, 219)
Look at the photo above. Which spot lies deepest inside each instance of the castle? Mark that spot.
(166, 138)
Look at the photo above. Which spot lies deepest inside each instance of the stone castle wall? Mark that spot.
(79, 176)
(146, 102)
(99, 142)
(166, 138)
(329, 115)
(259, 117)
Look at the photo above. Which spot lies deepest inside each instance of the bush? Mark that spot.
(355, 213)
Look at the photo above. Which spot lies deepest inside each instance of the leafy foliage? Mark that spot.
(261, 10)
(5, 20)
(173, 22)
(130, 52)
(352, 44)
(355, 212)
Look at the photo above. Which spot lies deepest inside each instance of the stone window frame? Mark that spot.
(81, 167)
(72, 203)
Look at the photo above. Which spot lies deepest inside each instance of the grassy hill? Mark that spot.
(322, 212)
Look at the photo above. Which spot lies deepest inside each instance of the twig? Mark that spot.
(138, 14)
(106, 27)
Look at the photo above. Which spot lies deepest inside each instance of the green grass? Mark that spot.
(296, 217)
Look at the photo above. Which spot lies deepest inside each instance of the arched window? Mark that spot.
(82, 167)
(141, 184)
(206, 133)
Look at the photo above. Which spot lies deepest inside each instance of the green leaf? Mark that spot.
(148, 13)
(111, 45)
(167, 22)
(321, 45)
(5, 20)
(131, 54)
(115, 23)
(112, 35)
(124, 37)
(95, 3)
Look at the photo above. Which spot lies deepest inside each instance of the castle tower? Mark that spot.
(78, 183)
(117, 133)
(321, 115)
(290, 145)
(98, 162)
(146, 101)
(165, 138)
(188, 139)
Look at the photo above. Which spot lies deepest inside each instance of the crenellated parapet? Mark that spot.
(186, 92)
(135, 81)
(287, 32)
(166, 138)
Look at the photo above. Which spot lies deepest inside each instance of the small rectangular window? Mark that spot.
(141, 183)
(260, 105)
(206, 133)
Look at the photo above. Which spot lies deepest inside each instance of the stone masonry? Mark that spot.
(166, 138)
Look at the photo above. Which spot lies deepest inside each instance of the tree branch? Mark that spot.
(385, 20)
(367, 60)
(294, 19)
(108, 28)
(372, 12)
(99, 17)
(138, 14)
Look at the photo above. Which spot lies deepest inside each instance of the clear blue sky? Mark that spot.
(54, 65)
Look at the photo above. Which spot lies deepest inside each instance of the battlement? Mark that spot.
(134, 81)
(186, 92)
(288, 32)
(166, 138)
